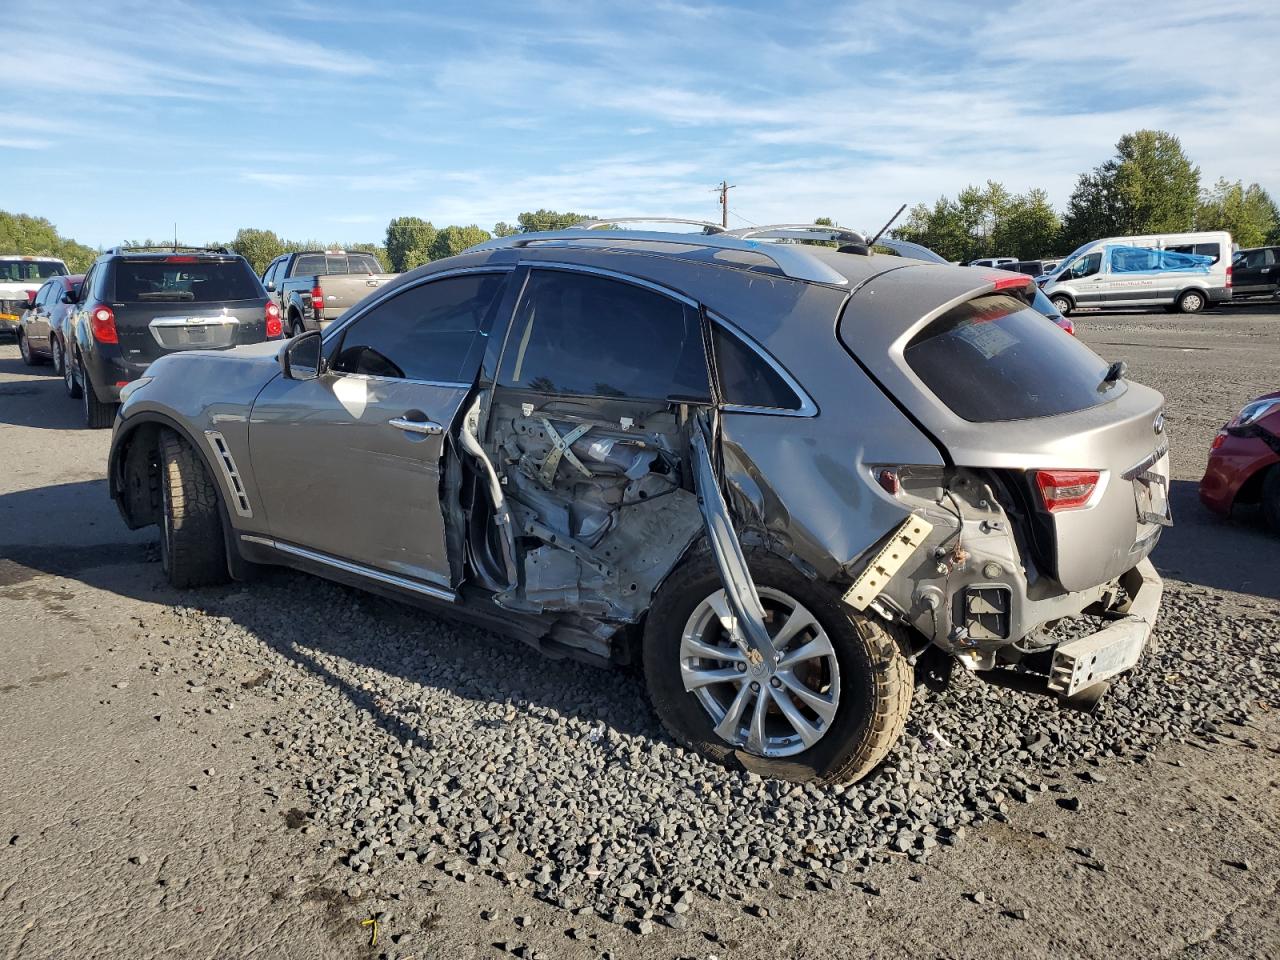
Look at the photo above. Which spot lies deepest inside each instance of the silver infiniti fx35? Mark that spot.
(771, 475)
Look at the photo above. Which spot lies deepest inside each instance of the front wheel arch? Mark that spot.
(146, 427)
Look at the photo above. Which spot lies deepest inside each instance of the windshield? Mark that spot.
(994, 358)
(1071, 257)
(18, 270)
(197, 281)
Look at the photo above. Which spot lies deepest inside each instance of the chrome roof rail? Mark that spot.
(793, 260)
(707, 225)
(799, 231)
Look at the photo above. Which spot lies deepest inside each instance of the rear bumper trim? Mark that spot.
(1081, 663)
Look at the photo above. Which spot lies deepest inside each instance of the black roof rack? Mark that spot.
(169, 248)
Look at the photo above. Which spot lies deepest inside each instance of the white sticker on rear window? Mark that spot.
(986, 338)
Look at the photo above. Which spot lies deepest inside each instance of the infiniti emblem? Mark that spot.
(1159, 424)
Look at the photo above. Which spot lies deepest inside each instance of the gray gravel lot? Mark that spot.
(258, 769)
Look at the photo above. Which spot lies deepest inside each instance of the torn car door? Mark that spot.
(747, 627)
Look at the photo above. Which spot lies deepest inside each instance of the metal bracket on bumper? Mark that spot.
(1082, 663)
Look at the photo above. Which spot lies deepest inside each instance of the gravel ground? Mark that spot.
(306, 757)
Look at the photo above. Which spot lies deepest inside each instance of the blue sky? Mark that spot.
(323, 120)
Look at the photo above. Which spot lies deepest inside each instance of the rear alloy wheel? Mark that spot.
(24, 348)
(96, 413)
(1191, 302)
(1271, 498)
(296, 328)
(832, 709)
(192, 552)
(55, 353)
(69, 379)
(1063, 305)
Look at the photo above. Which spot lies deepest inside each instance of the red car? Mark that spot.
(1244, 462)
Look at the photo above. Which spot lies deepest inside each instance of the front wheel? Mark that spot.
(832, 709)
(1063, 305)
(1191, 302)
(192, 552)
(70, 381)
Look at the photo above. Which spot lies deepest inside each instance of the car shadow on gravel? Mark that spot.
(1238, 554)
(36, 398)
(308, 620)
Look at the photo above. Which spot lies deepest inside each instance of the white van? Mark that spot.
(1177, 271)
(1000, 262)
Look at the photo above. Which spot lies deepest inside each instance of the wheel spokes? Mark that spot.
(727, 728)
(695, 677)
(709, 651)
(819, 646)
(799, 620)
(824, 707)
(755, 735)
(807, 732)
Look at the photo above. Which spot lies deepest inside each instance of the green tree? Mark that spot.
(541, 220)
(409, 243)
(1248, 213)
(504, 229)
(259, 247)
(1028, 227)
(37, 237)
(453, 240)
(962, 229)
(1149, 186)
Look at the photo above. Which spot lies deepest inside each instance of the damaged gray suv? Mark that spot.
(770, 474)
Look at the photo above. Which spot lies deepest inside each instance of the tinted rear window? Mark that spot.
(200, 281)
(336, 263)
(994, 358)
(14, 270)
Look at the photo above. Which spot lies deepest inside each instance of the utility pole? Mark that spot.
(723, 190)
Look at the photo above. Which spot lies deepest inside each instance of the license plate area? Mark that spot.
(177, 333)
(1151, 489)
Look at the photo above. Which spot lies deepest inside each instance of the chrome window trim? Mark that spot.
(347, 566)
(451, 384)
(336, 327)
(807, 406)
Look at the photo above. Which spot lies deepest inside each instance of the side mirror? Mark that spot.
(68, 298)
(271, 286)
(301, 358)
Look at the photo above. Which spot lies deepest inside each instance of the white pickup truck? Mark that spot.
(314, 287)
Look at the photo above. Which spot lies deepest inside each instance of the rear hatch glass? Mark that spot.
(994, 359)
(332, 263)
(197, 281)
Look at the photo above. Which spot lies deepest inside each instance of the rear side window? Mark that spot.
(585, 335)
(994, 359)
(746, 378)
(1213, 250)
(434, 331)
(185, 281)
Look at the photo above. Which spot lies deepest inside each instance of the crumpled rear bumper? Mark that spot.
(1087, 661)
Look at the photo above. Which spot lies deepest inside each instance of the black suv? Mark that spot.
(1256, 272)
(137, 305)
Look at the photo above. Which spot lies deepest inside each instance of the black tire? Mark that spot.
(55, 353)
(296, 326)
(97, 415)
(1193, 301)
(1271, 498)
(192, 551)
(70, 382)
(1063, 305)
(875, 678)
(28, 355)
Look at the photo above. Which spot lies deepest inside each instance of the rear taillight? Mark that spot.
(274, 326)
(1229, 269)
(102, 323)
(1218, 441)
(1066, 489)
(1066, 324)
(889, 480)
(1007, 282)
(317, 298)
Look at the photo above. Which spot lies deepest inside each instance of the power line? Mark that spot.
(750, 223)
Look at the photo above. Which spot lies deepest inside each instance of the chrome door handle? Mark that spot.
(428, 427)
